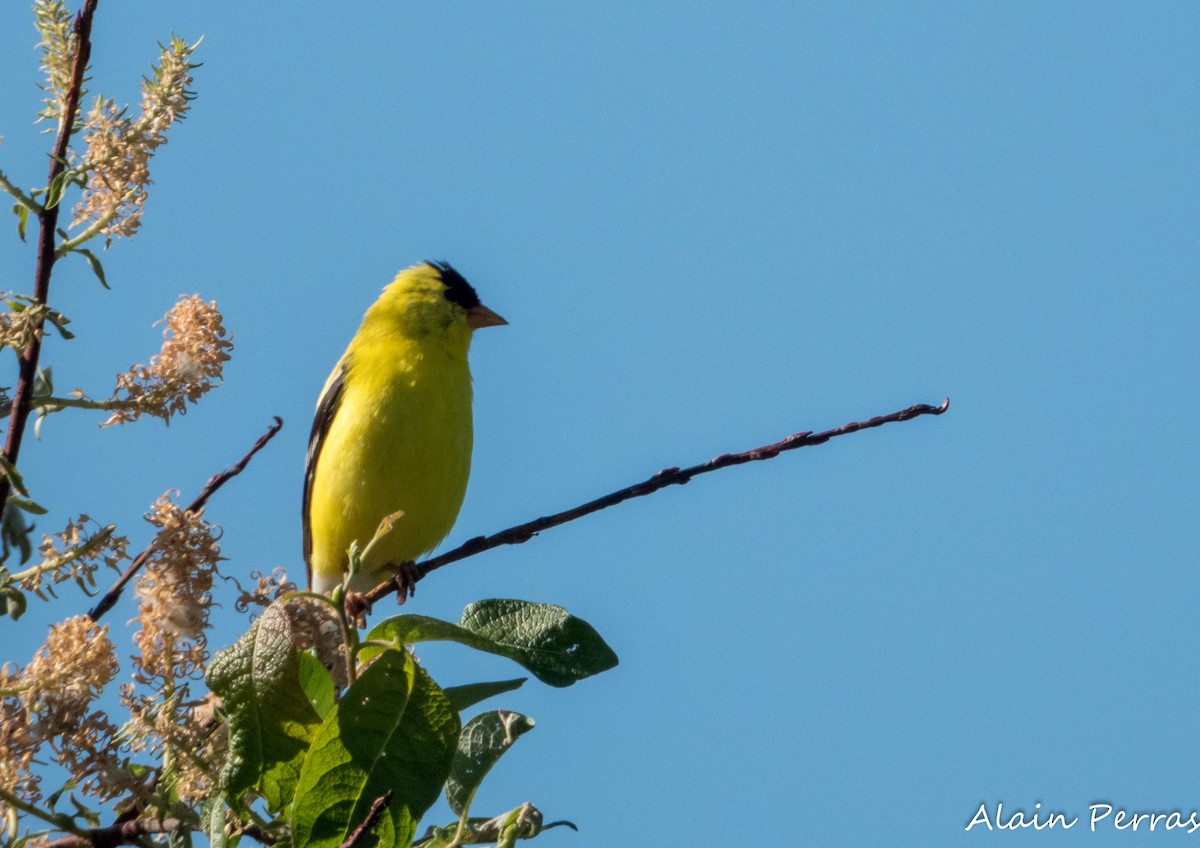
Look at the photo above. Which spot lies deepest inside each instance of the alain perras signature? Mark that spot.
(1101, 815)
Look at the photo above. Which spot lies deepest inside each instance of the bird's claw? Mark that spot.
(357, 607)
(406, 577)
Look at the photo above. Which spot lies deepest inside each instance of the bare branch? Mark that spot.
(215, 482)
(667, 477)
(131, 831)
(121, 833)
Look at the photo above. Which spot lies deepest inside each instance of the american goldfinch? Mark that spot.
(392, 432)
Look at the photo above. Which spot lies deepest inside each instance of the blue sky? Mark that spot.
(712, 225)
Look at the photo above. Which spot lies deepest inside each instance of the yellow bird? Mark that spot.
(393, 432)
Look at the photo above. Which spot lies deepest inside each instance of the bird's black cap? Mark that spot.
(458, 290)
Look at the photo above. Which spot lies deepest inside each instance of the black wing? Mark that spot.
(326, 409)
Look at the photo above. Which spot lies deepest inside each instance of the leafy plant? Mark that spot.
(310, 734)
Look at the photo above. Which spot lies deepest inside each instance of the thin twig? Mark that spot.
(667, 477)
(259, 835)
(373, 816)
(19, 196)
(215, 482)
(82, 552)
(15, 801)
(67, 245)
(47, 227)
(56, 404)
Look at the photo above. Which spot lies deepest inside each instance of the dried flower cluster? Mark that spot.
(48, 703)
(76, 553)
(267, 588)
(119, 147)
(195, 349)
(19, 327)
(174, 587)
(174, 604)
(54, 24)
(19, 740)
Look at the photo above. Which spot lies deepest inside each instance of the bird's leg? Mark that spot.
(357, 607)
(406, 576)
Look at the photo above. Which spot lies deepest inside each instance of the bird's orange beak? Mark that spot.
(480, 316)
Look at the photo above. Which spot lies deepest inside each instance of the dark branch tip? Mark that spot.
(561, 823)
(663, 478)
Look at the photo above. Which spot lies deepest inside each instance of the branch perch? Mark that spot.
(215, 482)
(667, 477)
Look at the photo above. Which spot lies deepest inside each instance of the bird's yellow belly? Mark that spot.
(407, 449)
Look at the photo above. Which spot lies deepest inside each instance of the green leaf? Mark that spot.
(54, 797)
(43, 382)
(60, 323)
(212, 822)
(394, 729)
(83, 811)
(480, 745)
(10, 471)
(180, 837)
(271, 721)
(14, 533)
(57, 186)
(558, 648)
(26, 505)
(97, 268)
(317, 683)
(22, 213)
(13, 603)
(472, 693)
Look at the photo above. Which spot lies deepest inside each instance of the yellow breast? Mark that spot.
(399, 441)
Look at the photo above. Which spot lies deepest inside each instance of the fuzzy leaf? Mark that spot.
(556, 647)
(393, 729)
(271, 721)
(480, 745)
